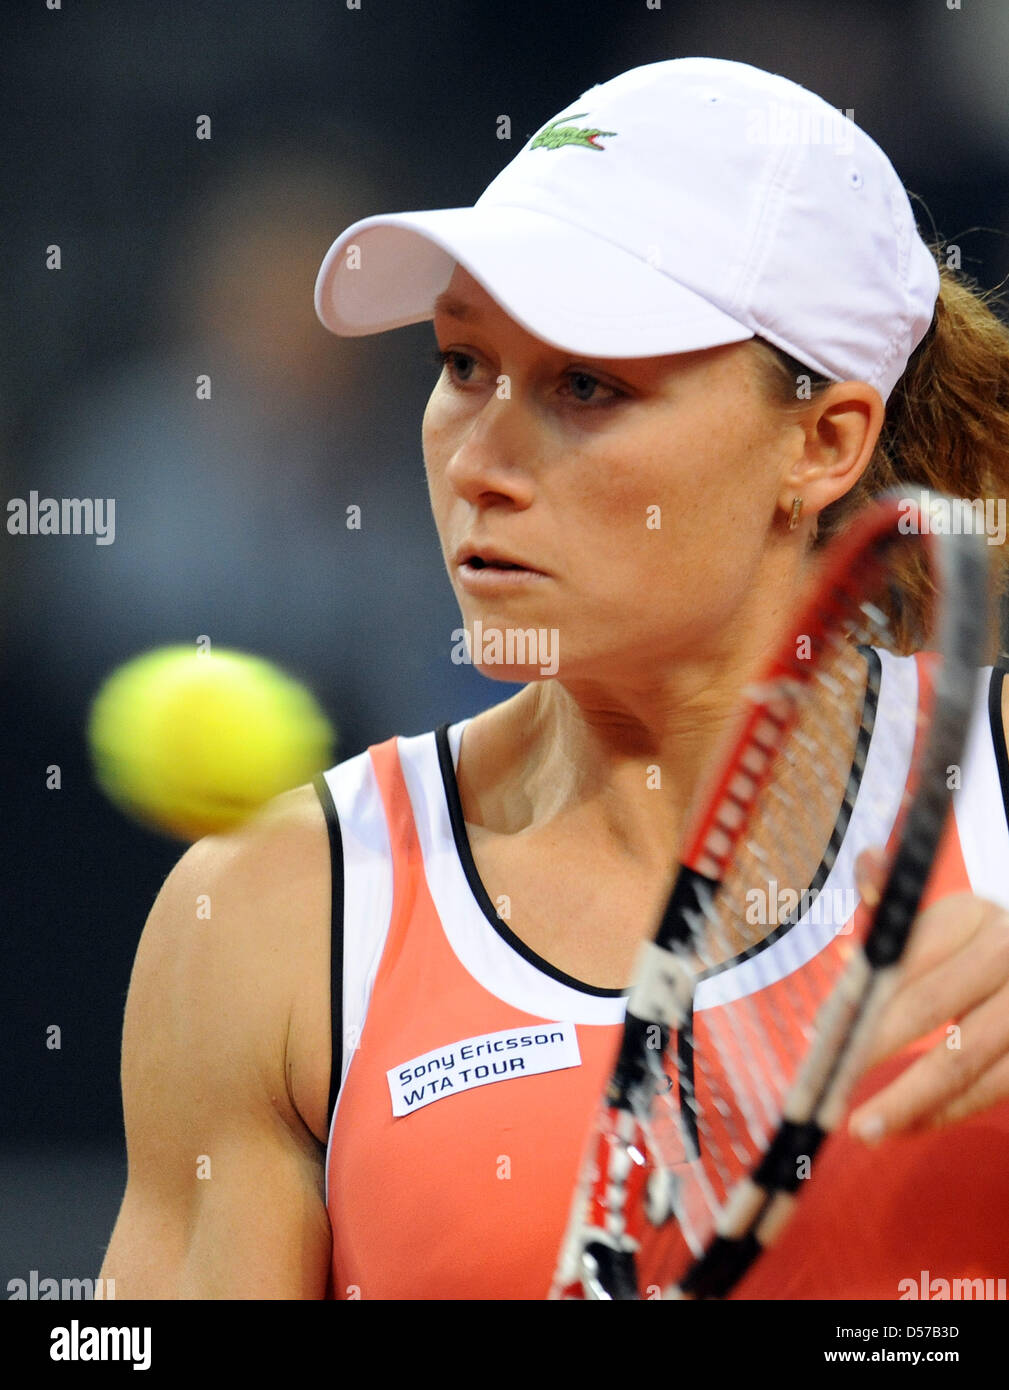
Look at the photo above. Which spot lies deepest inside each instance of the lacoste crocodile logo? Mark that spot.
(554, 135)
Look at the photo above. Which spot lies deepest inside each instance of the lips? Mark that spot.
(486, 572)
(478, 562)
(476, 557)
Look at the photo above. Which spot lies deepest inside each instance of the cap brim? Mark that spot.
(562, 284)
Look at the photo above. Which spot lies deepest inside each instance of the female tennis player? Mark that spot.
(685, 334)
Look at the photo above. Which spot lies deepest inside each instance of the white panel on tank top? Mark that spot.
(979, 807)
(367, 889)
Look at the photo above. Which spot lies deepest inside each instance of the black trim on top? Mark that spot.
(998, 732)
(336, 942)
(458, 822)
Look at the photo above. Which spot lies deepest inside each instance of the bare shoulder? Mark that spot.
(249, 911)
(225, 1069)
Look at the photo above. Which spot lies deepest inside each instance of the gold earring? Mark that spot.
(793, 519)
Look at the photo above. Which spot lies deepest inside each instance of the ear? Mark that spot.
(839, 430)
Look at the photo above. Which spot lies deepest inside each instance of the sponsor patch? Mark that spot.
(478, 1061)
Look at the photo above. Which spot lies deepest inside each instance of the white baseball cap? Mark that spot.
(682, 205)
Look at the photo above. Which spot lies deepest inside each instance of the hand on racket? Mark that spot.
(751, 1009)
(954, 972)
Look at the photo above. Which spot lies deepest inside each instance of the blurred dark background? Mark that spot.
(183, 256)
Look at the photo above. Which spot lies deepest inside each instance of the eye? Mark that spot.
(449, 359)
(582, 386)
(585, 384)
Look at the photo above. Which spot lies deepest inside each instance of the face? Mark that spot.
(637, 494)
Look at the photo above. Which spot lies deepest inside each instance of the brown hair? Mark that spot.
(946, 430)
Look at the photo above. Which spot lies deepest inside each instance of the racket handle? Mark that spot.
(637, 1069)
(663, 995)
(609, 1273)
(692, 893)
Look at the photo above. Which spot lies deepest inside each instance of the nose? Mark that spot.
(493, 455)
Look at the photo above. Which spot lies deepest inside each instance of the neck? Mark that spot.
(623, 763)
(622, 758)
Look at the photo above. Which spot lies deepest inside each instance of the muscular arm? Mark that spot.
(225, 1195)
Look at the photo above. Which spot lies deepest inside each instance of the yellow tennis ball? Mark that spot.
(195, 742)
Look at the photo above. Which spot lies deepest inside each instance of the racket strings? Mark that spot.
(746, 1050)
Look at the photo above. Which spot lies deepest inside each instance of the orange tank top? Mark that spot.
(467, 1069)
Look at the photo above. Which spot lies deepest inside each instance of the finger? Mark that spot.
(949, 990)
(940, 930)
(943, 1077)
(870, 875)
(989, 1089)
(948, 926)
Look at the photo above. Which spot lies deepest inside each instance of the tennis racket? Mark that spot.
(749, 1009)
